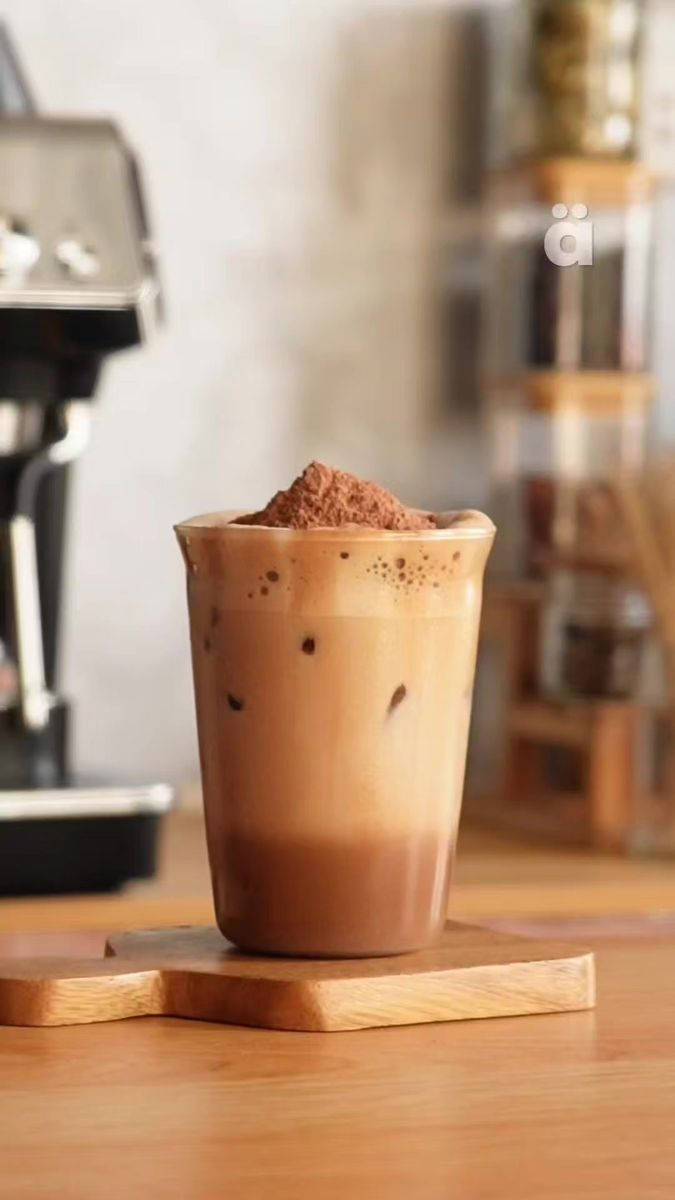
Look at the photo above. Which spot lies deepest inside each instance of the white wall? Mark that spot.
(217, 97)
(232, 107)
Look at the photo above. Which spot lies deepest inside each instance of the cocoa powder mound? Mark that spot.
(323, 497)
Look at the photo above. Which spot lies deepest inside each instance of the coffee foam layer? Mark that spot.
(352, 572)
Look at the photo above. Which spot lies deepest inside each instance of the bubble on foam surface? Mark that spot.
(403, 576)
(410, 575)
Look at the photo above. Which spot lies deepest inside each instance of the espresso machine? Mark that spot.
(78, 281)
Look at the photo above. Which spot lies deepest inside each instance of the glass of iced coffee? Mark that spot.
(333, 671)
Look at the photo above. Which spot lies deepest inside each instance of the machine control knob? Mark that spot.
(78, 260)
(19, 250)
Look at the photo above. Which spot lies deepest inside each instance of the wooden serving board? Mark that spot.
(193, 972)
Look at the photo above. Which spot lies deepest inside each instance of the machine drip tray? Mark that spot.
(84, 838)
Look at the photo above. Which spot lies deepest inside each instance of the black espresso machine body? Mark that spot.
(78, 281)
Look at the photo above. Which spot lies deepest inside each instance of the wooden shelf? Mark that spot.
(560, 819)
(596, 393)
(595, 182)
(616, 807)
(545, 723)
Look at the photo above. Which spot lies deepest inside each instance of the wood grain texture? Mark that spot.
(191, 972)
(61, 991)
(580, 1106)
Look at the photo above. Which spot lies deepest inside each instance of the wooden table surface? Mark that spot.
(559, 1107)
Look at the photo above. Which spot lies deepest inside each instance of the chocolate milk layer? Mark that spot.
(333, 677)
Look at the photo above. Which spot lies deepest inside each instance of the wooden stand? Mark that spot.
(572, 396)
(614, 809)
(193, 972)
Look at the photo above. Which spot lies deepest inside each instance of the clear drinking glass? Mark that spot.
(333, 673)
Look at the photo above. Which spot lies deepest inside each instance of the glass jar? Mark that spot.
(569, 267)
(557, 440)
(594, 632)
(582, 77)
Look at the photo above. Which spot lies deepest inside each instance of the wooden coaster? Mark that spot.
(192, 972)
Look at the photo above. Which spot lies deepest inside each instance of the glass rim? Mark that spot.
(215, 524)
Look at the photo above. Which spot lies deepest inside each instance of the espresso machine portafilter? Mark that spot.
(78, 281)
